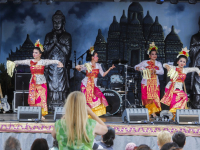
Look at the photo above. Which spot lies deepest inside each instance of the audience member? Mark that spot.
(40, 144)
(108, 138)
(12, 144)
(167, 146)
(163, 138)
(175, 148)
(75, 130)
(55, 145)
(143, 147)
(131, 146)
(179, 138)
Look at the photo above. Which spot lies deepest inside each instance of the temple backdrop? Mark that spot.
(117, 30)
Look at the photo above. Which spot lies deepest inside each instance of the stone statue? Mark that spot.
(195, 62)
(57, 46)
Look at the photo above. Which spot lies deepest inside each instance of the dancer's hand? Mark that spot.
(60, 65)
(112, 67)
(153, 71)
(138, 68)
(167, 67)
(199, 74)
(78, 67)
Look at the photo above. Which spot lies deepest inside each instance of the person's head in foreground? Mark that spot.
(163, 137)
(109, 137)
(131, 146)
(143, 147)
(179, 138)
(12, 144)
(40, 144)
(167, 146)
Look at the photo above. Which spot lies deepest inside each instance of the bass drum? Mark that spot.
(114, 101)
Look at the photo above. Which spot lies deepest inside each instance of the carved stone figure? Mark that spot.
(195, 62)
(57, 46)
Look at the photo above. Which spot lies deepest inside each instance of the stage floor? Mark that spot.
(9, 123)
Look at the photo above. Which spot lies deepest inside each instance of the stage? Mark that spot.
(138, 133)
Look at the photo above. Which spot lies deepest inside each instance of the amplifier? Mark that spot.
(58, 113)
(18, 100)
(22, 81)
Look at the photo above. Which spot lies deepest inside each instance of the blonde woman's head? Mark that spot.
(163, 138)
(76, 117)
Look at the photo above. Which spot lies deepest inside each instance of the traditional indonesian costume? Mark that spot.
(37, 86)
(150, 88)
(94, 97)
(174, 96)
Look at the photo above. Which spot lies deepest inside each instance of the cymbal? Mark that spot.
(119, 61)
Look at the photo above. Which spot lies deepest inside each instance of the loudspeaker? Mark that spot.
(22, 81)
(58, 113)
(18, 100)
(135, 115)
(188, 116)
(30, 114)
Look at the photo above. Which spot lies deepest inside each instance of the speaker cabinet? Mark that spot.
(135, 115)
(188, 116)
(19, 97)
(29, 114)
(22, 81)
(58, 113)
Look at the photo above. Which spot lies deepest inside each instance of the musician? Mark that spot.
(150, 88)
(94, 97)
(174, 96)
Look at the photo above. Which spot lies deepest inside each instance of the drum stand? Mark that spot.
(126, 90)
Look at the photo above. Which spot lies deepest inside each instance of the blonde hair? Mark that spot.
(76, 118)
(164, 137)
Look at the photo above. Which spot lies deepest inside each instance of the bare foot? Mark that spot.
(154, 115)
(43, 118)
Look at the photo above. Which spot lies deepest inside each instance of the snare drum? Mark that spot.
(114, 101)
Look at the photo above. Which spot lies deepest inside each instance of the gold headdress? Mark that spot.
(152, 46)
(91, 50)
(184, 52)
(38, 44)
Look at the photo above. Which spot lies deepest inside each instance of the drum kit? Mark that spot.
(120, 85)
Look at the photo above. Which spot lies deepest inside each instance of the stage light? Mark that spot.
(192, 1)
(48, 2)
(3, 1)
(159, 1)
(174, 1)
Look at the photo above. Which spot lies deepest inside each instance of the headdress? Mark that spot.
(184, 52)
(38, 44)
(91, 50)
(152, 46)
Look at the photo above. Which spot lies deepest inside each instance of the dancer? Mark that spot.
(94, 97)
(37, 86)
(150, 88)
(174, 96)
